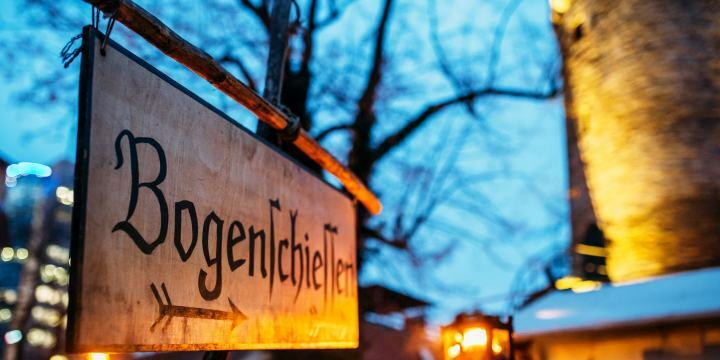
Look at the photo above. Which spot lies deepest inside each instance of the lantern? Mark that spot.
(478, 337)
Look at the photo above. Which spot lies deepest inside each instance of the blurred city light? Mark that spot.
(5, 315)
(41, 338)
(64, 195)
(586, 286)
(58, 254)
(13, 337)
(15, 171)
(98, 356)
(47, 295)
(454, 351)
(560, 6)
(577, 284)
(21, 253)
(9, 296)
(7, 254)
(28, 168)
(47, 316)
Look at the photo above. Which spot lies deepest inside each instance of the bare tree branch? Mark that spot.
(497, 40)
(319, 137)
(260, 11)
(308, 37)
(439, 51)
(334, 14)
(367, 99)
(229, 59)
(411, 126)
(377, 235)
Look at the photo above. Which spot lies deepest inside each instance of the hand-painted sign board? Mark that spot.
(190, 233)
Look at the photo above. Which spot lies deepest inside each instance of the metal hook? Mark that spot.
(95, 21)
(108, 30)
(292, 129)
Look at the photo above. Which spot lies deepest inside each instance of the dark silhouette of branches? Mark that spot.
(405, 120)
(260, 10)
(413, 124)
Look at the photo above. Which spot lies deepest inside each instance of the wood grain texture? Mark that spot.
(129, 300)
(171, 44)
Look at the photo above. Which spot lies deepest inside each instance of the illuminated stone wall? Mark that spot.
(643, 88)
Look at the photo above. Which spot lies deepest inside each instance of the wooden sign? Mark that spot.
(190, 233)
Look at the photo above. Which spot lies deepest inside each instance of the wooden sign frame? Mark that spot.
(288, 337)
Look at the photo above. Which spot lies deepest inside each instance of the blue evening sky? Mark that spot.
(481, 264)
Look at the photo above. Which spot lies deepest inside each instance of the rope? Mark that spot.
(108, 30)
(68, 53)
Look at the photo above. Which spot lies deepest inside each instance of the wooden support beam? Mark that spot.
(171, 44)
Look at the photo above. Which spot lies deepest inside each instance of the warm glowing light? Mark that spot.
(48, 295)
(98, 356)
(501, 343)
(458, 337)
(7, 254)
(454, 351)
(58, 357)
(586, 286)
(560, 6)
(578, 285)
(10, 296)
(41, 338)
(58, 253)
(64, 195)
(590, 250)
(46, 316)
(5, 315)
(21, 253)
(474, 337)
(496, 347)
(567, 282)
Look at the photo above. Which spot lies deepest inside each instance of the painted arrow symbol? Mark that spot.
(169, 310)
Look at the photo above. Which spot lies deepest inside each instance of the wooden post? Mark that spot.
(277, 55)
(171, 44)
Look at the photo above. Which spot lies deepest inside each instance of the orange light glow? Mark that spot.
(589, 250)
(560, 6)
(474, 337)
(567, 282)
(586, 286)
(496, 347)
(98, 356)
(454, 351)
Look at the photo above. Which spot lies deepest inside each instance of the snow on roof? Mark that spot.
(682, 296)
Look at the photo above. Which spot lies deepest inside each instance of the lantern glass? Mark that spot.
(478, 337)
(501, 344)
(473, 338)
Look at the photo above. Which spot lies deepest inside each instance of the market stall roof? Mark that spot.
(678, 297)
(382, 300)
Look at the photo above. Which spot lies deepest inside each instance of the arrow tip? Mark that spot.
(238, 317)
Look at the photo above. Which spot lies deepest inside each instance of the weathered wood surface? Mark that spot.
(642, 80)
(213, 283)
(170, 43)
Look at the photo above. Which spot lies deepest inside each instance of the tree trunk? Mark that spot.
(643, 88)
